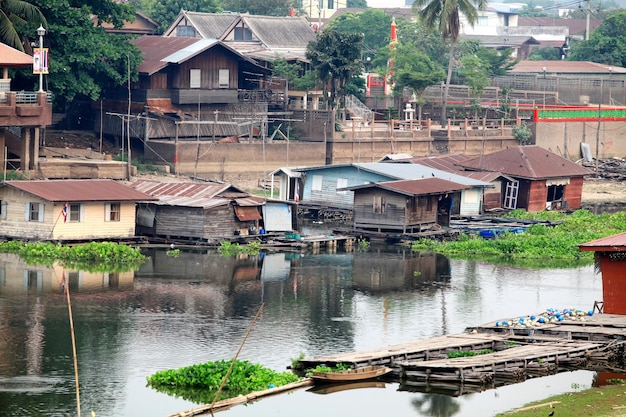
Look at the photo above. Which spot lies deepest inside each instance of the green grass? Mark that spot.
(540, 245)
(606, 401)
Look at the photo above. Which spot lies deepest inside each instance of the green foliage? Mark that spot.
(16, 16)
(336, 58)
(539, 246)
(465, 353)
(174, 253)
(227, 248)
(548, 53)
(199, 383)
(522, 133)
(260, 7)
(363, 244)
(606, 45)
(15, 175)
(84, 59)
(294, 74)
(415, 71)
(474, 72)
(374, 24)
(337, 368)
(296, 361)
(92, 256)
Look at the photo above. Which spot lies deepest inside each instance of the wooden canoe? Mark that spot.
(357, 374)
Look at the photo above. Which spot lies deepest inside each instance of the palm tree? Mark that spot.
(445, 16)
(14, 13)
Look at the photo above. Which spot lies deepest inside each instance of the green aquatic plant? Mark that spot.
(465, 353)
(227, 248)
(540, 245)
(337, 368)
(200, 383)
(92, 256)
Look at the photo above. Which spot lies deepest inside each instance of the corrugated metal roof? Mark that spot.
(416, 171)
(190, 51)
(615, 243)
(281, 32)
(501, 41)
(13, 58)
(155, 48)
(211, 25)
(182, 189)
(199, 202)
(565, 67)
(450, 163)
(250, 201)
(423, 186)
(80, 190)
(530, 162)
(245, 214)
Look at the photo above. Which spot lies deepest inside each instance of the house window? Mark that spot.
(195, 78)
(483, 20)
(224, 78)
(33, 212)
(316, 184)
(331, 4)
(342, 183)
(185, 32)
(3, 210)
(74, 212)
(113, 211)
(379, 204)
(33, 279)
(243, 34)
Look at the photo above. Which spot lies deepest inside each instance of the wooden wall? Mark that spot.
(573, 193)
(209, 65)
(613, 282)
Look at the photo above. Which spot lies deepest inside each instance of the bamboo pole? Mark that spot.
(217, 394)
(69, 307)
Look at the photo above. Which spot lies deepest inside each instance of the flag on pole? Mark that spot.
(64, 213)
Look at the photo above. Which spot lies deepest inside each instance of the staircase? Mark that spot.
(358, 110)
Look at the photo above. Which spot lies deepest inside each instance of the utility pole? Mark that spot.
(587, 24)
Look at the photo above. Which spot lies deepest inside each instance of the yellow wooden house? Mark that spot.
(68, 209)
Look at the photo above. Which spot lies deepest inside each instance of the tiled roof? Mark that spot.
(79, 190)
(530, 162)
(280, 32)
(210, 25)
(615, 243)
(12, 58)
(500, 41)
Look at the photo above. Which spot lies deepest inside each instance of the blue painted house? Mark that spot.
(326, 186)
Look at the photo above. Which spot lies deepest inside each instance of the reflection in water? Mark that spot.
(435, 405)
(175, 312)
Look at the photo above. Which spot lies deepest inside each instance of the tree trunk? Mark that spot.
(444, 105)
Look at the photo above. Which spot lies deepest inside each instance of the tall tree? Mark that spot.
(415, 71)
(84, 59)
(336, 58)
(14, 16)
(445, 16)
(374, 24)
(606, 45)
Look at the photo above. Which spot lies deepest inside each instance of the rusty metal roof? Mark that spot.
(79, 190)
(13, 58)
(565, 67)
(183, 189)
(529, 162)
(422, 186)
(615, 243)
(196, 194)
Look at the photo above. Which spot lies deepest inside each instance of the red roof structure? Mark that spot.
(12, 58)
(615, 243)
(529, 162)
(422, 186)
(79, 190)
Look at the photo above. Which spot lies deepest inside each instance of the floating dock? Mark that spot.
(495, 354)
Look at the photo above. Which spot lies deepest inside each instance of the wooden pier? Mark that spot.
(494, 354)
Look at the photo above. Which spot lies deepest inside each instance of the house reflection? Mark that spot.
(412, 270)
(16, 276)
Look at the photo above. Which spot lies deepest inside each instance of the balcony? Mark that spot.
(21, 108)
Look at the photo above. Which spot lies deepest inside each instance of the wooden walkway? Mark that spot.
(502, 355)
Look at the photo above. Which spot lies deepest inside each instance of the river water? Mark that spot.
(174, 312)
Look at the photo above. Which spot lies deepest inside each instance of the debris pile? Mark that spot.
(610, 169)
